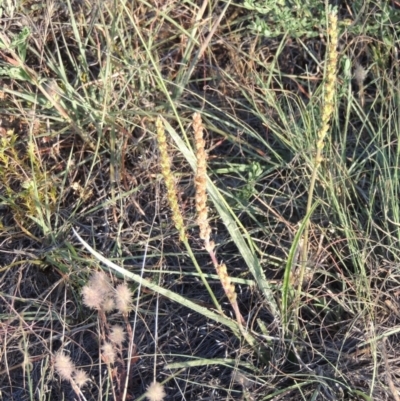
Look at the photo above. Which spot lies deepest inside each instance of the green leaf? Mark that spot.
(286, 287)
(230, 363)
(21, 43)
(14, 73)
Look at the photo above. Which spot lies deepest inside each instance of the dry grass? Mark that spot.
(97, 135)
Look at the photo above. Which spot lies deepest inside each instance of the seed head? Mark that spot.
(97, 291)
(117, 335)
(360, 73)
(64, 366)
(80, 377)
(201, 179)
(123, 298)
(330, 80)
(92, 297)
(108, 353)
(165, 164)
(155, 392)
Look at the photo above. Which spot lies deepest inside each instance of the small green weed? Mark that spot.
(29, 192)
(294, 18)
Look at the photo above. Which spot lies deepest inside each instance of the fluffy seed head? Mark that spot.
(92, 298)
(108, 353)
(101, 282)
(108, 305)
(360, 73)
(64, 366)
(123, 298)
(155, 392)
(117, 335)
(80, 377)
(97, 291)
(229, 289)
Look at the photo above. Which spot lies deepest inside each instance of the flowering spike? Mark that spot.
(169, 180)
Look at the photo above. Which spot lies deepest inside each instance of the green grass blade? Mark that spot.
(286, 287)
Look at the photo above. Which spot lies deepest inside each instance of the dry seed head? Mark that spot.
(80, 377)
(227, 285)
(360, 73)
(108, 305)
(92, 298)
(101, 281)
(330, 79)
(96, 292)
(155, 392)
(108, 353)
(169, 180)
(123, 298)
(201, 179)
(64, 366)
(117, 335)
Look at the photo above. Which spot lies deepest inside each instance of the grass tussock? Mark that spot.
(199, 200)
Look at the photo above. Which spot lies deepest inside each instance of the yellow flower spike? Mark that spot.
(226, 282)
(169, 180)
(174, 205)
(202, 216)
(229, 289)
(201, 179)
(330, 79)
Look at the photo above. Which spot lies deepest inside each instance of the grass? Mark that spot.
(263, 268)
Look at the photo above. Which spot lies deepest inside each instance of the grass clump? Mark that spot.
(194, 207)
